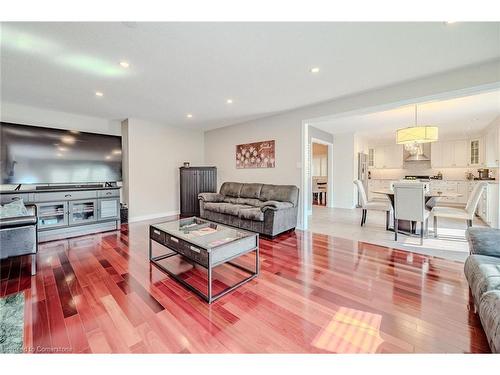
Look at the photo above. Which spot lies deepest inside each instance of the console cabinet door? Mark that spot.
(108, 209)
(52, 215)
(81, 212)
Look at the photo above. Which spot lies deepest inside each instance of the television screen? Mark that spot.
(38, 155)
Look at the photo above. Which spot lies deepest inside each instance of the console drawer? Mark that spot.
(65, 195)
(108, 193)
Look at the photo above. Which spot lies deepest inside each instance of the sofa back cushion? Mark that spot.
(281, 193)
(251, 191)
(231, 189)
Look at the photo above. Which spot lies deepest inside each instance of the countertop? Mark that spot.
(433, 180)
(57, 190)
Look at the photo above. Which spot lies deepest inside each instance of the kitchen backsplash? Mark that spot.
(448, 173)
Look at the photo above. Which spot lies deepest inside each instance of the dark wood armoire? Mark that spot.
(195, 180)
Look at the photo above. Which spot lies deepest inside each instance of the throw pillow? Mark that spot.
(16, 208)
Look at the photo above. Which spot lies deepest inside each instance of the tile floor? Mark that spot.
(345, 223)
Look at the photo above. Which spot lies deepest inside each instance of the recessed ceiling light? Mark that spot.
(229, 101)
(59, 154)
(98, 93)
(189, 115)
(108, 157)
(314, 70)
(124, 64)
(62, 149)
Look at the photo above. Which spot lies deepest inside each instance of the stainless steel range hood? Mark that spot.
(421, 152)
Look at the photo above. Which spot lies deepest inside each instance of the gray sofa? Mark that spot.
(266, 209)
(482, 270)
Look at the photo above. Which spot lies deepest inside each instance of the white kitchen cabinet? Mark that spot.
(491, 150)
(475, 152)
(379, 158)
(463, 190)
(436, 154)
(388, 156)
(460, 153)
(449, 154)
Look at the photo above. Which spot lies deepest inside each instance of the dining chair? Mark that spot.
(409, 204)
(458, 213)
(372, 205)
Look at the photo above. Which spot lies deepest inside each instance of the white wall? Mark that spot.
(343, 170)
(23, 114)
(220, 147)
(154, 152)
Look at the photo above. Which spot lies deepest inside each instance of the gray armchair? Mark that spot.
(18, 236)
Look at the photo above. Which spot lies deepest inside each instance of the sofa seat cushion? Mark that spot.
(489, 312)
(245, 201)
(483, 274)
(484, 241)
(254, 214)
(225, 208)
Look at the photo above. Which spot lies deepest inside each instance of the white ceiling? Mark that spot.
(456, 117)
(180, 68)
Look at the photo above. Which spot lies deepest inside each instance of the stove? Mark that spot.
(418, 178)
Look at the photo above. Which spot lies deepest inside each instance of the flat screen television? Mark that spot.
(39, 155)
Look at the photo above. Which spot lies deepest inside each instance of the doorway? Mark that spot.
(319, 174)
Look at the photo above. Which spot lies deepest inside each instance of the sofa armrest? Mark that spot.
(210, 197)
(275, 205)
(17, 221)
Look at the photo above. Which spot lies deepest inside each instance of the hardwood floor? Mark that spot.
(315, 294)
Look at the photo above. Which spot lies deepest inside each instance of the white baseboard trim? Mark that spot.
(152, 216)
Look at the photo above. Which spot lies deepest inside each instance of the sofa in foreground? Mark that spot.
(266, 209)
(482, 270)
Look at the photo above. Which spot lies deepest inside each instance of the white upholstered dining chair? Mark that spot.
(372, 205)
(409, 204)
(466, 213)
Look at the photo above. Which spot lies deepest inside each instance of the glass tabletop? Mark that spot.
(201, 232)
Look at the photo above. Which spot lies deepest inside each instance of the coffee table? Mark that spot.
(204, 243)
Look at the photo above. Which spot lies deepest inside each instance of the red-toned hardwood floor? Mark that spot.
(315, 293)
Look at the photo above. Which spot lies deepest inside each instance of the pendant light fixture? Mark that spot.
(416, 134)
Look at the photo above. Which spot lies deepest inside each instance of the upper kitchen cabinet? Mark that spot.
(389, 156)
(491, 148)
(449, 154)
(475, 149)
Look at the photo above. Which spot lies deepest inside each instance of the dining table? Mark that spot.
(431, 199)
